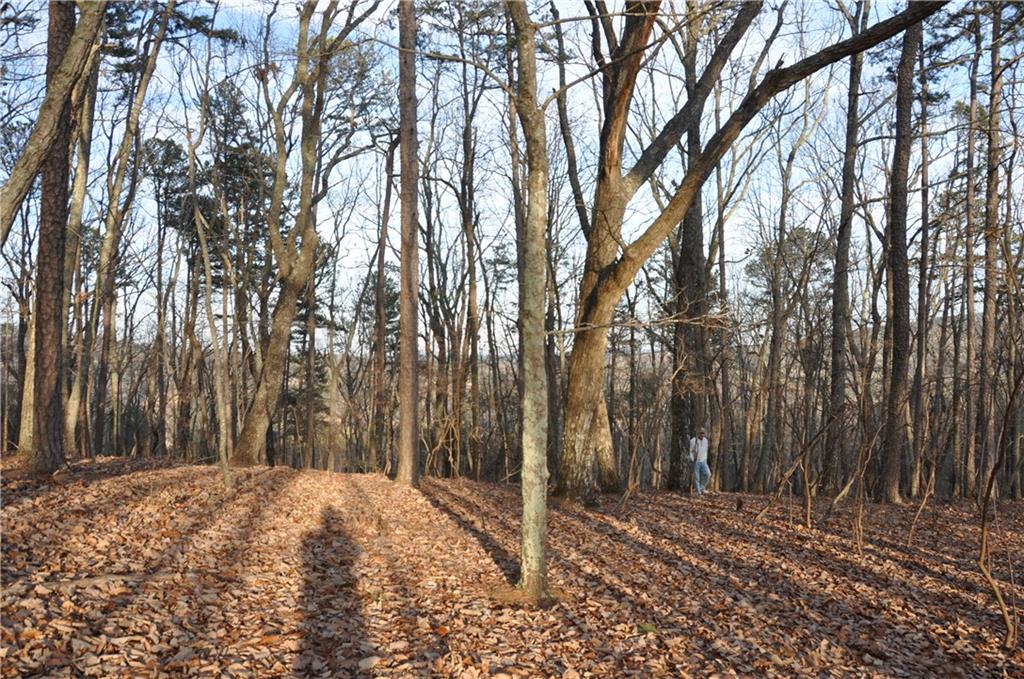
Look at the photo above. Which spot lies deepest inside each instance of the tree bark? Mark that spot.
(689, 376)
(835, 442)
(64, 69)
(408, 378)
(894, 440)
(918, 390)
(48, 415)
(986, 382)
(970, 477)
(533, 580)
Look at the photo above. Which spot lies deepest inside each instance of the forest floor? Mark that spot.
(119, 569)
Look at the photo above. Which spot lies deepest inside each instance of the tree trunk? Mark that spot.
(689, 375)
(378, 443)
(68, 56)
(923, 285)
(894, 440)
(26, 418)
(408, 378)
(987, 381)
(605, 280)
(969, 485)
(48, 416)
(310, 425)
(533, 283)
(836, 442)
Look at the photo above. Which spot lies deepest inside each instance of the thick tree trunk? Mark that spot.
(603, 285)
(48, 417)
(587, 437)
(264, 401)
(408, 378)
(894, 441)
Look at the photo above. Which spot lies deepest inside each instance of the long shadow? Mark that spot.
(858, 607)
(771, 576)
(668, 570)
(503, 559)
(333, 629)
(181, 561)
(19, 486)
(28, 552)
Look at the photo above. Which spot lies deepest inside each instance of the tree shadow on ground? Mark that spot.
(447, 503)
(333, 630)
(20, 484)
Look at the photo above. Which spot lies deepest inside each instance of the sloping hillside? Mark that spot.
(110, 571)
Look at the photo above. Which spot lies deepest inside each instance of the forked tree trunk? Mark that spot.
(602, 287)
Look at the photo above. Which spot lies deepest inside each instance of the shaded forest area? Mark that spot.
(311, 574)
(492, 249)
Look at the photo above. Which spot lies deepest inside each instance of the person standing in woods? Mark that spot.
(699, 457)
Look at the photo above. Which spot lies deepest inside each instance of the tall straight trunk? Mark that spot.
(519, 217)
(894, 440)
(408, 378)
(970, 422)
(471, 95)
(378, 447)
(986, 382)
(72, 253)
(725, 419)
(98, 398)
(48, 416)
(160, 360)
(835, 441)
(534, 405)
(187, 363)
(923, 285)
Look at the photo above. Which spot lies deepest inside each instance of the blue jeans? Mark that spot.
(702, 475)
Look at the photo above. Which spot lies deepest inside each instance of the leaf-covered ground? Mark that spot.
(126, 570)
